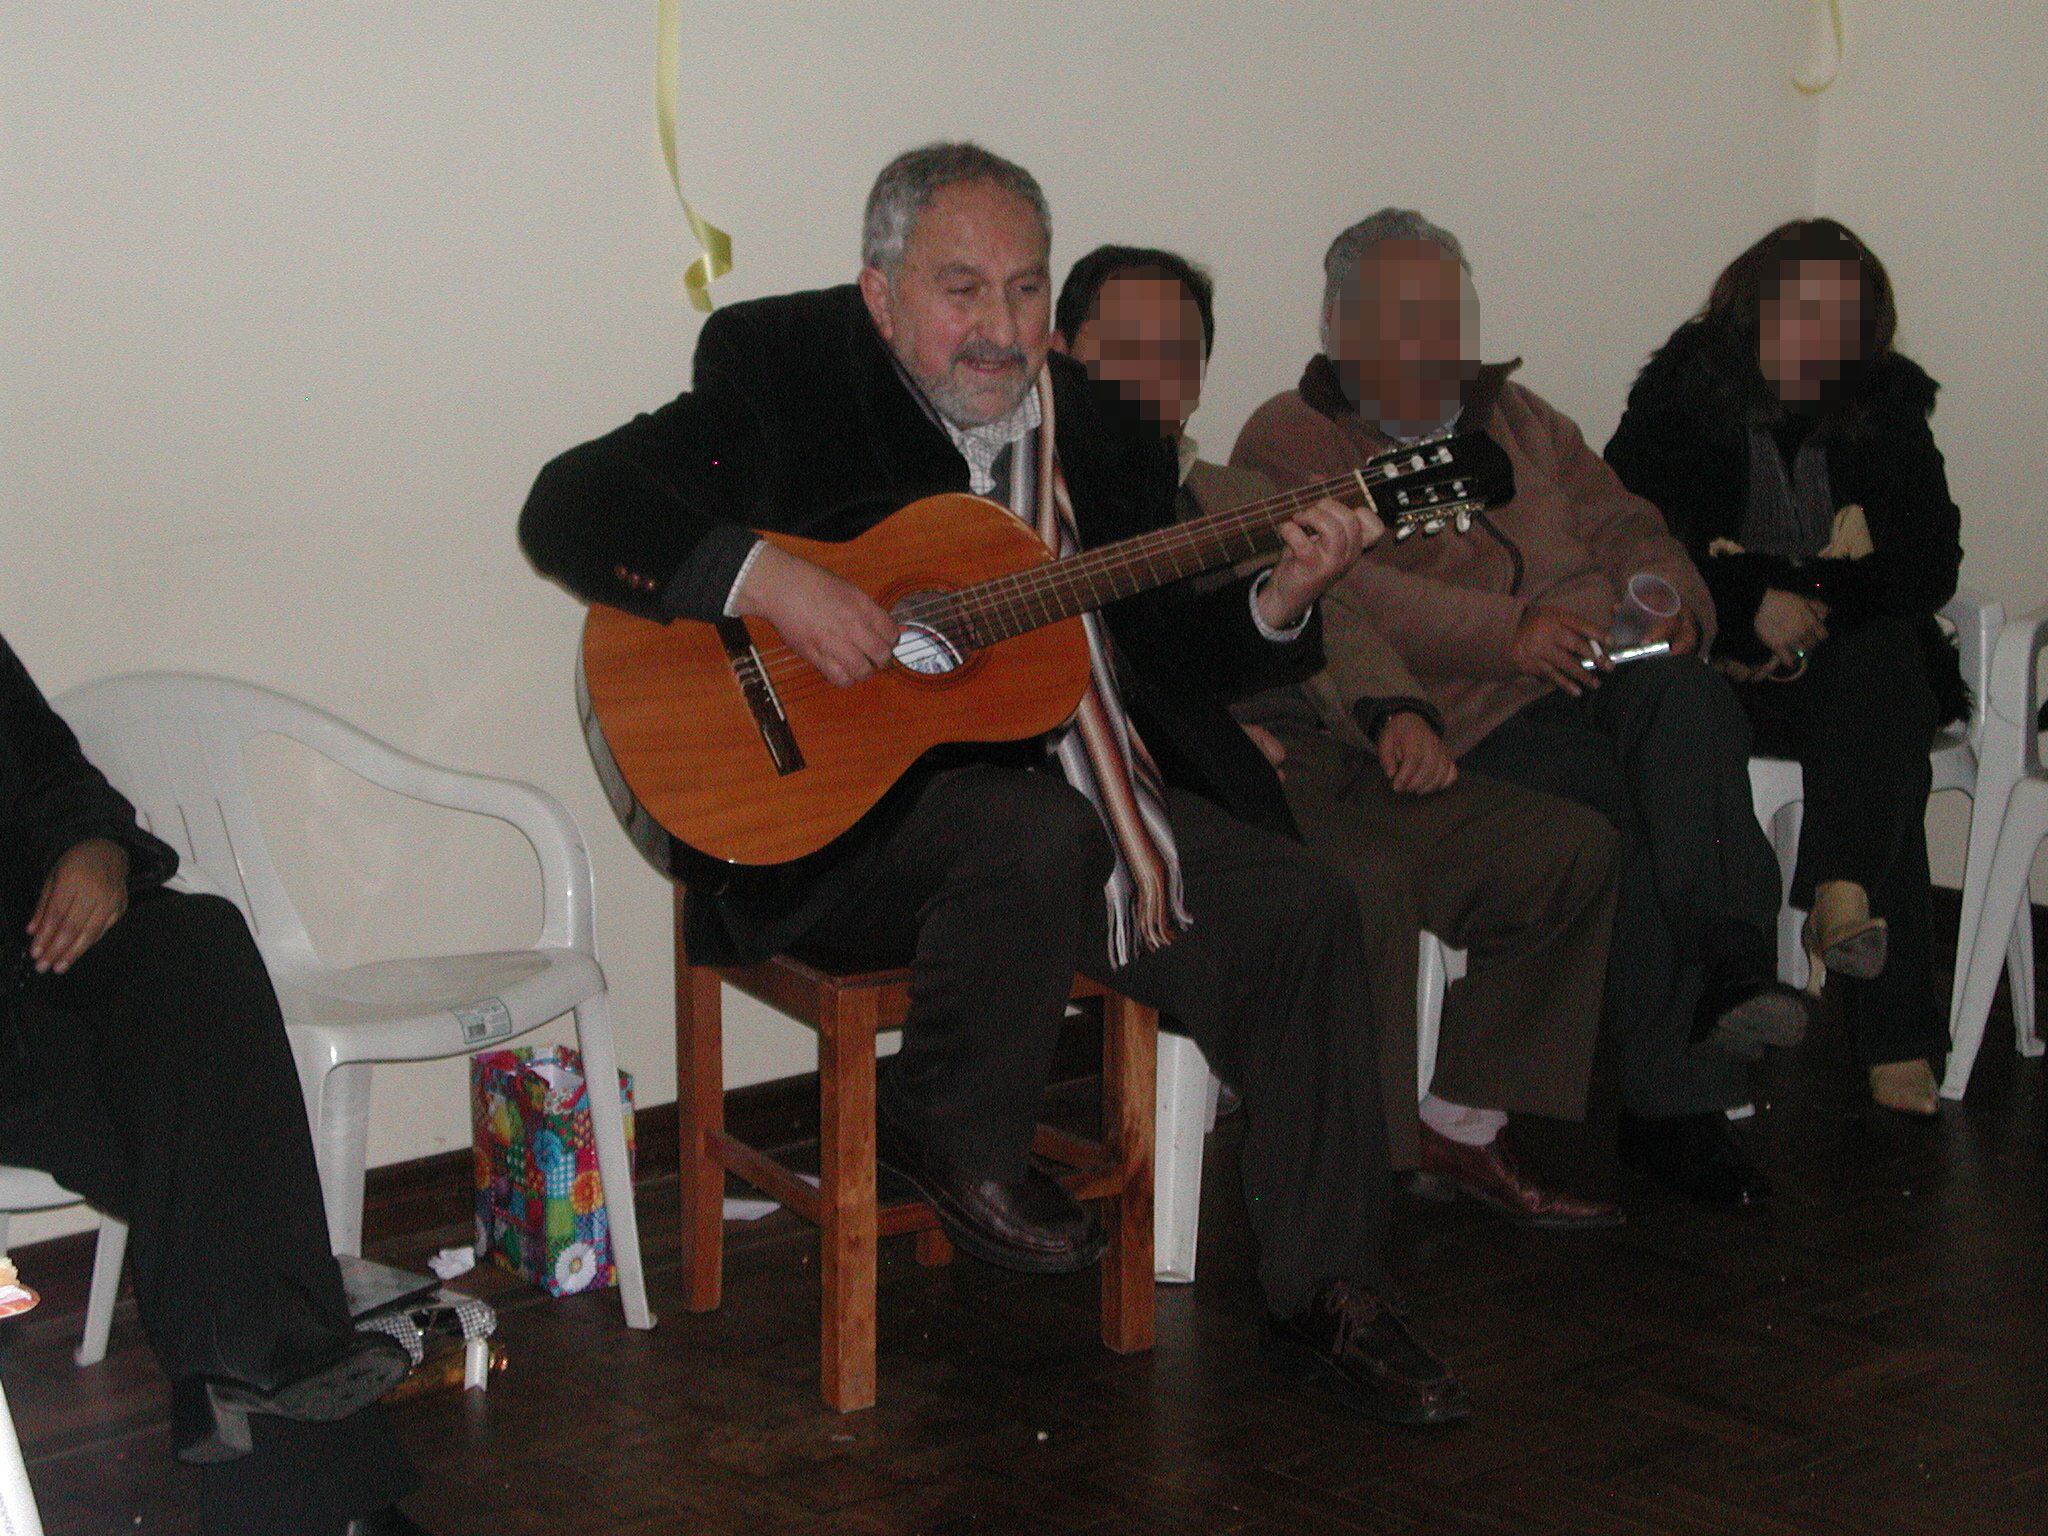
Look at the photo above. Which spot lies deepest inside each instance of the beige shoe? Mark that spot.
(1905, 1086)
(1841, 935)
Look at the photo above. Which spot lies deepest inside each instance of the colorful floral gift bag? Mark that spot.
(540, 1208)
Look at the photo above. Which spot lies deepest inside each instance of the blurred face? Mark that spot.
(1810, 329)
(968, 311)
(1145, 337)
(1398, 338)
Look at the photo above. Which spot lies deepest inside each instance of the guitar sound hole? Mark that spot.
(926, 651)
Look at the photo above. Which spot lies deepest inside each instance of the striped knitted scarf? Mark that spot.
(1101, 754)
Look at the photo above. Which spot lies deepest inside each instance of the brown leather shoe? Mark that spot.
(1362, 1343)
(1488, 1175)
(1033, 1225)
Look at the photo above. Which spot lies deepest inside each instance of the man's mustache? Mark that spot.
(982, 354)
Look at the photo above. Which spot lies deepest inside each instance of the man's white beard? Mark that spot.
(954, 406)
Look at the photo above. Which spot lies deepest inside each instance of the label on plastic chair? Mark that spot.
(16, 1299)
(487, 1020)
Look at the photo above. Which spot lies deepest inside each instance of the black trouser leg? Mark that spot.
(990, 887)
(166, 1095)
(1861, 722)
(1270, 983)
(1661, 749)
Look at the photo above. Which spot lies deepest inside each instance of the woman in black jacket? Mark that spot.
(1788, 446)
(144, 1066)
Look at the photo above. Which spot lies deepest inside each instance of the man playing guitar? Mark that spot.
(1146, 843)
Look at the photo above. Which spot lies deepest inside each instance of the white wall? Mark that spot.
(1934, 148)
(298, 298)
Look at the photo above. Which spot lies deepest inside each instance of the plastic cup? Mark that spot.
(1649, 602)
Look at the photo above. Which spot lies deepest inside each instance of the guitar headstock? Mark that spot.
(1429, 487)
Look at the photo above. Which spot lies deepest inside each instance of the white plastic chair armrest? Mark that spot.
(2010, 690)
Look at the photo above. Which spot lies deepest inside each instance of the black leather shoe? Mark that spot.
(1033, 1225)
(1744, 1009)
(1362, 1344)
(388, 1521)
(1696, 1155)
(210, 1415)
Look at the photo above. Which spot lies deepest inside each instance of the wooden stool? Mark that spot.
(848, 1012)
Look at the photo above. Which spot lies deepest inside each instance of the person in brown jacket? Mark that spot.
(1521, 881)
(1504, 632)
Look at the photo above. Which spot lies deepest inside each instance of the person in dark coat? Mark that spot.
(143, 1065)
(1788, 444)
(998, 873)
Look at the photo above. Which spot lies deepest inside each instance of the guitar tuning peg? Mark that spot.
(1464, 521)
(1402, 531)
(1434, 525)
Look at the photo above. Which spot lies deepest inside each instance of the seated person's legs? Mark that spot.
(1523, 883)
(1861, 722)
(1660, 748)
(989, 888)
(164, 1092)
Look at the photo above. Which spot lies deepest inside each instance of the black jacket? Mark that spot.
(1683, 443)
(51, 800)
(799, 421)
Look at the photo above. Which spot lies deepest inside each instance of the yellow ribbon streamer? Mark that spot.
(715, 244)
(1813, 81)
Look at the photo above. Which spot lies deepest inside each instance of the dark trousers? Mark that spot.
(1661, 749)
(1860, 720)
(1523, 883)
(164, 1093)
(991, 890)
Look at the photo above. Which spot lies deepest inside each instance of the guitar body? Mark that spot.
(745, 780)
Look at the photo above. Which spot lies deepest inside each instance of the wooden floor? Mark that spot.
(1868, 1356)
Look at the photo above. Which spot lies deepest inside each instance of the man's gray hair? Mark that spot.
(1340, 262)
(909, 183)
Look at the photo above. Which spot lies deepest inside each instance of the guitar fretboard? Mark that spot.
(997, 609)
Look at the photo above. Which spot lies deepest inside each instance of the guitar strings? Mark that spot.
(1039, 593)
(1007, 593)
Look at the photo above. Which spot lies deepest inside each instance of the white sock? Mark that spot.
(1460, 1122)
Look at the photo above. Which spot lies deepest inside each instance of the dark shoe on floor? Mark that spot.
(1742, 1018)
(388, 1521)
(1696, 1155)
(1487, 1174)
(1033, 1225)
(1362, 1344)
(210, 1416)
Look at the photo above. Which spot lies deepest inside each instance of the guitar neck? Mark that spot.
(1046, 594)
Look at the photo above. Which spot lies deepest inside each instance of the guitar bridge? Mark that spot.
(759, 692)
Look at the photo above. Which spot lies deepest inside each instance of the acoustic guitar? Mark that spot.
(722, 736)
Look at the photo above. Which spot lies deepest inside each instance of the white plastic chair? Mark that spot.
(1441, 965)
(175, 745)
(18, 1513)
(1777, 789)
(30, 1189)
(1185, 1112)
(2009, 824)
